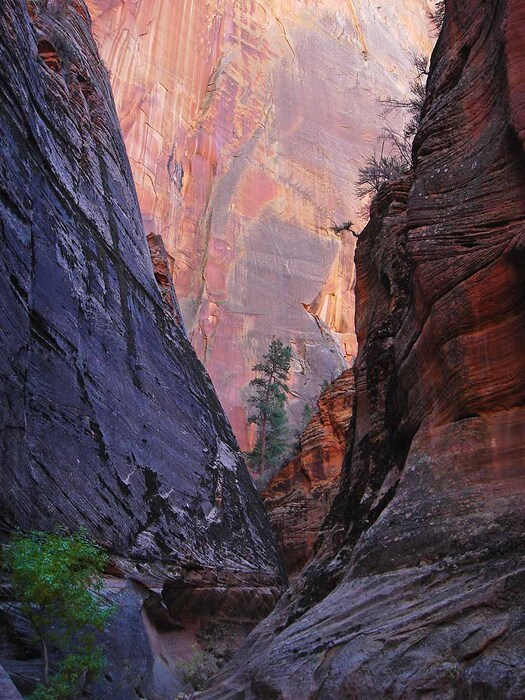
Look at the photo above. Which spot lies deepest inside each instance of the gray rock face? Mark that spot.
(138, 662)
(7, 689)
(417, 589)
(107, 418)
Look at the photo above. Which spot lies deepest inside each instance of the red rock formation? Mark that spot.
(417, 590)
(299, 496)
(163, 271)
(246, 123)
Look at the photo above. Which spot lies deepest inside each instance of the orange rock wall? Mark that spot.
(245, 124)
(299, 496)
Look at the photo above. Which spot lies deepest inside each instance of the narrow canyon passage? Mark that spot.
(180, 194)
(246, 124)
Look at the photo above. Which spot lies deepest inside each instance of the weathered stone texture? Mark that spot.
(163, 270)
(107, 418)
(418, 587)
(299, 496)
(246, 123)
(7, 689)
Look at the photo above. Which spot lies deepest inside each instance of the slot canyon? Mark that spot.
(180, 187)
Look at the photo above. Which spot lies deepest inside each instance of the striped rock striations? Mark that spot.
(246, 123)
(417, 589)
(299, 496)
(107, 418)
(7, 689)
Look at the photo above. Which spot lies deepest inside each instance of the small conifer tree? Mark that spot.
(268, 400)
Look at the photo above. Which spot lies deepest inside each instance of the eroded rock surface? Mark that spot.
(7, 690)
(418, 587)
(107, 418)
(163, 271)
(299, 496)
(246, 123)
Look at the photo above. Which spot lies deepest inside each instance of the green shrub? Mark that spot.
(57, 578)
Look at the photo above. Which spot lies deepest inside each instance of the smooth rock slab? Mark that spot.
(7, 689)
(108, 420)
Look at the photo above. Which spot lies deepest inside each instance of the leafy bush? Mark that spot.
(71, 676)
(57, 577)
(306, 416)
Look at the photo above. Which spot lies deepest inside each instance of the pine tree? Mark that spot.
(268, 400)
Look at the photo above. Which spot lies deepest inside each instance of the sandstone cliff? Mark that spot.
(107, 418)
(418, 588)
(246, 123)
(299, 496)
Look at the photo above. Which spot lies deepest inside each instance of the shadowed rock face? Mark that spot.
(107, 418)
(7, 689)
(299, 496)
(246, 123)
(418, 586)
